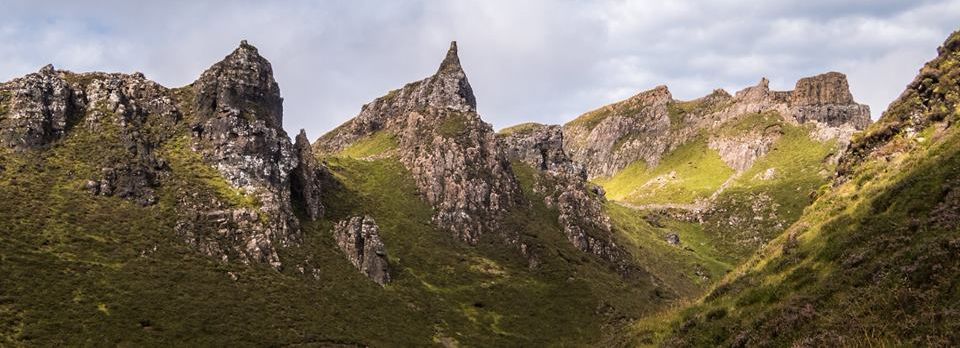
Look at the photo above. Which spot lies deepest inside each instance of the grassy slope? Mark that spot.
(697, 172)
(872, 262)
(800, 165)
(86, 270)
(687, 269)
(866, 267)
(690, 172)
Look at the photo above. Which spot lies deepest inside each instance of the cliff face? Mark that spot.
(608, 139)
(651, 124)
(231, 116)
(359, 239)
(452, 154)
(237, 129)
(580, 204)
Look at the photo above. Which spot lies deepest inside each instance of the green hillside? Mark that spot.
(873, 261)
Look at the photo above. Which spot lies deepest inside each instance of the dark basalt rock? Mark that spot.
(37, 109)
(237, 129)
(241, 85)
(359, 239)
(306, 178)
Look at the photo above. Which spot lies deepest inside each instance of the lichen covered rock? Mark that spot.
(236, 128)
(37, 109)
(452, 154)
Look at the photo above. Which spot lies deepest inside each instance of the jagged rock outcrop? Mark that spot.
(237, 128)
(37, 109)
(452, 154)
(580, 204)
(740, 151)
(651, 124)
(231, 116)
(359, 239)
(141, 115)
(40, 108)
(610, 138)
(541, 147)
(306, 178)
(826, 98)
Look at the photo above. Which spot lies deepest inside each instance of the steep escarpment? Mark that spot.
(608, 139)
(873, 260)
(452, 154)
(719, 164)
(651, 124)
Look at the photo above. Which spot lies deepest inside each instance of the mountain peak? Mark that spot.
(451, 63)
(450, 87)
(241, 83)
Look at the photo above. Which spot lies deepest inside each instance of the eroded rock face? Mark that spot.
(237, 129)
(359, 239)
(579, 203)
(452, 154)
(610, 138)
(305, 179)
(741, 151)
(231, 116)
(541, 147)
(37, 109)
(142, 115)
(651, 124)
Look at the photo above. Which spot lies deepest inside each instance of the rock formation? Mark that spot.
(359, 239)
(610, 138)
(452, 154)
(305, 181)
(231, 116)
(740, 151)
(580, 204)
(237, 128)
(37, 109)
(41, 108)
(651, 124)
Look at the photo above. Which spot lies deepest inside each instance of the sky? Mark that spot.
(528, 61)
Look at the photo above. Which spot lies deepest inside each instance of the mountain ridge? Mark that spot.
(143, 215)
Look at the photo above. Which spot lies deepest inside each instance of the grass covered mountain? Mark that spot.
(135, 214)
(874, 260)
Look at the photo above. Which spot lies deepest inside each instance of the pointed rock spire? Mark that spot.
(305, 178)
(451, 63)
(450, 87)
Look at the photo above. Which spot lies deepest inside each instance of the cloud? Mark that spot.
(536, 60)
